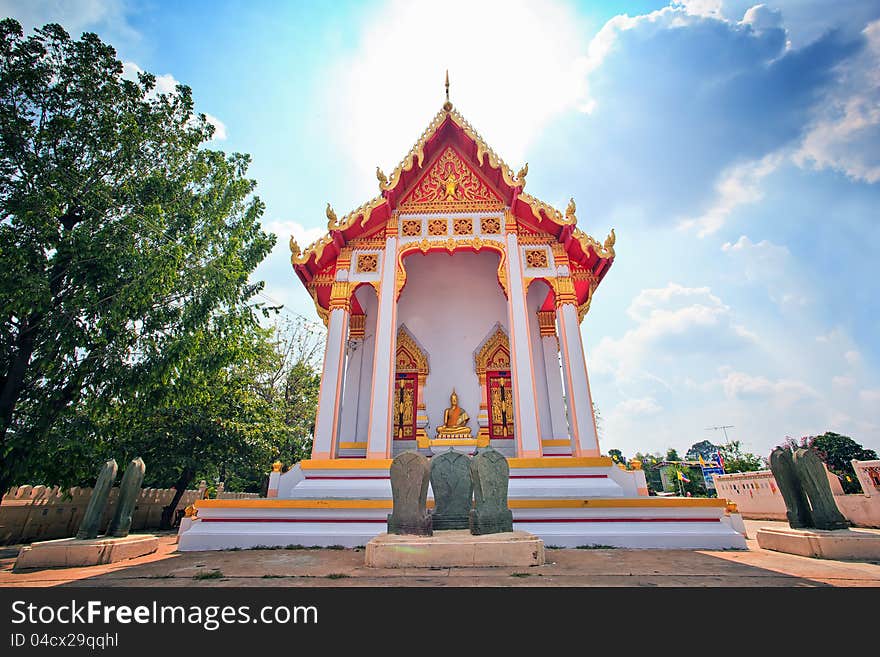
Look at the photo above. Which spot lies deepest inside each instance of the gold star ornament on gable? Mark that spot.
(451, 185)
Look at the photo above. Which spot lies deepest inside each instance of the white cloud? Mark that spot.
(845, 382)
(167, 84)
(834, 335)
(639, 407)
(673, 322)
(739, 385)
(870, 396)
(708, 8)
(846, 134)
(219, 127)
(736, 186)
(852, 357)
(285, 229)
(653, 299)
(761, 17)
(76, 16)
(513, 66)
(769, 265)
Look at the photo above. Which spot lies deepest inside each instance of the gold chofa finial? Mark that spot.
(447, 105)
(332, 221)
(570, 217)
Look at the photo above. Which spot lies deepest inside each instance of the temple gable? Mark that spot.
(451, 185)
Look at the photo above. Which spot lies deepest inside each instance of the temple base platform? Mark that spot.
(565, 501)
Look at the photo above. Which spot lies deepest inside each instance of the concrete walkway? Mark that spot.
(328, 567)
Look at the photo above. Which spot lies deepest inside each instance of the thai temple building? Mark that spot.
(453, 303)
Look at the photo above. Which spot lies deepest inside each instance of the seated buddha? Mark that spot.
(454, 421)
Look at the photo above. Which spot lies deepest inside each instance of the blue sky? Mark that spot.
(733, 146)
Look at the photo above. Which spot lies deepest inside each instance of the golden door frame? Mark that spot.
(492, 363)
(411, 364)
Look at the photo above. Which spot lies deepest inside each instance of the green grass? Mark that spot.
(273, 576)
(596, 546)
(214, 574)
(338, 576)
(160, 576)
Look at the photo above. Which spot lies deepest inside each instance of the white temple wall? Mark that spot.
(449, 304)
(535, 297)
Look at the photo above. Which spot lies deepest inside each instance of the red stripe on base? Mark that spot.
(561, 476)
(517, 520)
(617, 520)
(348, 477)
(364, 520)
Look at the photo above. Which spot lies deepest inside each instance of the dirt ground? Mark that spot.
(564, 567)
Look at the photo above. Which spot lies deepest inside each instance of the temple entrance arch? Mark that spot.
(359, 354)
(411, 373)
(492, 365)
(448, 303)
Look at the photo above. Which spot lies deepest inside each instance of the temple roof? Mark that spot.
(450, 129)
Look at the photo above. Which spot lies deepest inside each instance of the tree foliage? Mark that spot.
(617, 456)
(292, 385)
(837, 451)
(704, 448)
(737, 460)
(128, 320)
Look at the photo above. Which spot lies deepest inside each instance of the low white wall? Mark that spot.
(757, 497)
(868, 473)
(39, 513)
(755, 494)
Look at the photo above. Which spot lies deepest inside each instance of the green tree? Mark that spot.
(694, 484)
(672, 455)
(124, 241)
(617, 456)
(292, 385)
(200, 411)
(703, 448)
(837, 451)
(736, 460)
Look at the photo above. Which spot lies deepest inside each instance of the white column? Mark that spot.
(379, 435)
(327, 421)
(526, 429)
(558, 421)
(584, 441)
(349, 413)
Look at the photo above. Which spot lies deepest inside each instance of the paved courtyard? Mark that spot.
(564, 567)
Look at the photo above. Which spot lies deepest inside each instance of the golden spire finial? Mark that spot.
(447, 105)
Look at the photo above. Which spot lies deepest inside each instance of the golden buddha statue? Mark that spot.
(454, 421)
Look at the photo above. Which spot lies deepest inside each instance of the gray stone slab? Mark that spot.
(410, 474)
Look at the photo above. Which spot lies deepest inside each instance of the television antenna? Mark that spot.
(723, 428)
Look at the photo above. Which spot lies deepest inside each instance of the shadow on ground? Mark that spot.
(564, 567)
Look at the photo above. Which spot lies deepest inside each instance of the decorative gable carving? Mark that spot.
(451, 186)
